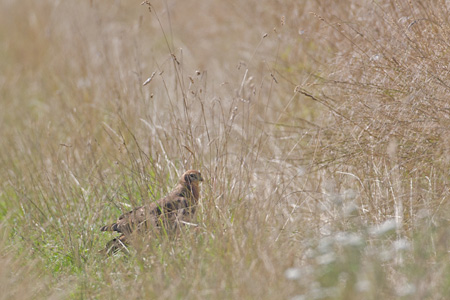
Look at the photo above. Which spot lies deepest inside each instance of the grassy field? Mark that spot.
(322, 129)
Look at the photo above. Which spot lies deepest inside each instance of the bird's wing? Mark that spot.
(174, 209)
(136, 218)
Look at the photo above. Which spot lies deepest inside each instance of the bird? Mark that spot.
(166, 213)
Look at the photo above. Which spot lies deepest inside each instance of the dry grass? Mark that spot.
(323, 138)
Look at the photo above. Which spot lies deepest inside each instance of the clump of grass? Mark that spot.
(389, 108)
(23, 277)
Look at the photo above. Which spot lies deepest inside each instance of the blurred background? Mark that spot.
(321, 128)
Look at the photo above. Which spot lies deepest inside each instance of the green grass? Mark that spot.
(322, 135)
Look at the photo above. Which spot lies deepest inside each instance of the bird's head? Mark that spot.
(191, 177)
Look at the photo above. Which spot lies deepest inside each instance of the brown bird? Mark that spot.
(166, 213)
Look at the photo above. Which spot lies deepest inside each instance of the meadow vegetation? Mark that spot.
(322, 129)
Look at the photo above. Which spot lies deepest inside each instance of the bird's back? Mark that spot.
(164, 212)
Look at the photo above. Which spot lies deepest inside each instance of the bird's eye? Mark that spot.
(192, 175)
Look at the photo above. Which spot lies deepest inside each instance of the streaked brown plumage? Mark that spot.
(167, 212)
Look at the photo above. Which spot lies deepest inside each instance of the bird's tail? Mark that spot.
(112, 227)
